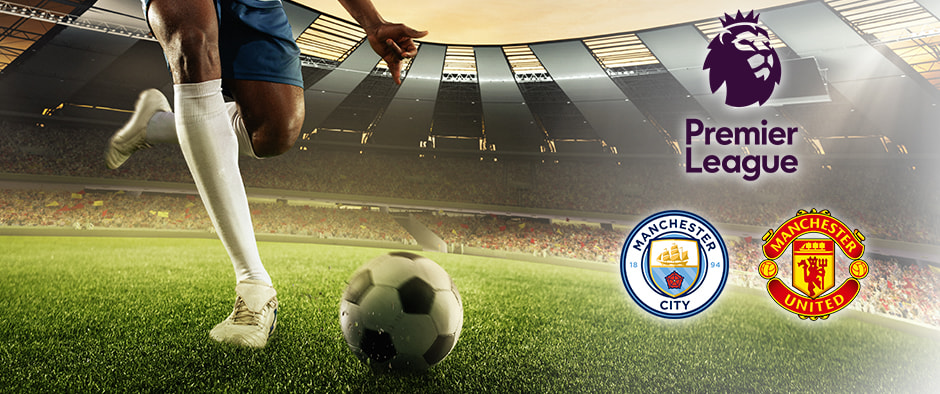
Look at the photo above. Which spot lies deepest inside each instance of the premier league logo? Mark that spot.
(674, 264)
(740, 57)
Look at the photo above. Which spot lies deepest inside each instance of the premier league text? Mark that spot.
(752, 166)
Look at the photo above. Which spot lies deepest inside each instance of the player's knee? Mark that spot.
(276, 136)
(192, 52)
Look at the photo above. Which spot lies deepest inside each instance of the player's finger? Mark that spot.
(409, 49)
(394, 46)
(415, 33)
(395, 67)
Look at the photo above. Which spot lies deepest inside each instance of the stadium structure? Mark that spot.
(864, 66)
(589, 128)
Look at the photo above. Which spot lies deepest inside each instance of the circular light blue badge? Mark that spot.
(674, 264)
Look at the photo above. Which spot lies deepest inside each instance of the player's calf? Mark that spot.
(272, 115)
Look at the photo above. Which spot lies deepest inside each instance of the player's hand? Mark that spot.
(393, 42)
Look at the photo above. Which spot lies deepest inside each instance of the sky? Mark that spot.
(490, 22)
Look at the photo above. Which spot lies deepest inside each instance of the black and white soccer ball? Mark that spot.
(401, 312)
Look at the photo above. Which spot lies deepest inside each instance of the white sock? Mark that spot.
(162, 129)
(238, 124)
(210, 147)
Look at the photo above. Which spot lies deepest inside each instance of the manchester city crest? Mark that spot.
(674, 264)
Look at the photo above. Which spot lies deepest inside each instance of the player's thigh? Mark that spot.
(188, 31)
(257, 43)
(273, 113)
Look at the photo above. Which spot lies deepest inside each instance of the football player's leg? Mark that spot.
(269, 116)
(266, 118)
(273, 111)
(152, 122)
(188, 33)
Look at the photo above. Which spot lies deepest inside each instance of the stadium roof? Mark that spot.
(869, 67)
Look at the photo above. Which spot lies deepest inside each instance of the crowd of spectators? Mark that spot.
(110, 209)
(325, 222)
(82, 209)
(885, 199)
(543, 238)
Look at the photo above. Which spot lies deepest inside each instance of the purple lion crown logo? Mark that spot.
(740, 57)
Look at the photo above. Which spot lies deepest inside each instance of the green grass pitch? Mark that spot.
(131, 314)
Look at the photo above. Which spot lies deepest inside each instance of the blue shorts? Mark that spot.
(255, 41)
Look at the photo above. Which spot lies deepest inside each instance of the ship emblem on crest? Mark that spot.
(813, 264)
(672, 270)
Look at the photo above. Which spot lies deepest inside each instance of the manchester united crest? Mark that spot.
(813, 264)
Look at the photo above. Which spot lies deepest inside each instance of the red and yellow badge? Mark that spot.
(814, 264)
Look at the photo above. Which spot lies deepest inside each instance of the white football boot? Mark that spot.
(253, 319)
(133, 136)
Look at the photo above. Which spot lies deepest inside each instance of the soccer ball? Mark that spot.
(401, 312)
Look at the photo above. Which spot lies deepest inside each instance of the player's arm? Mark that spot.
(392, 41)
